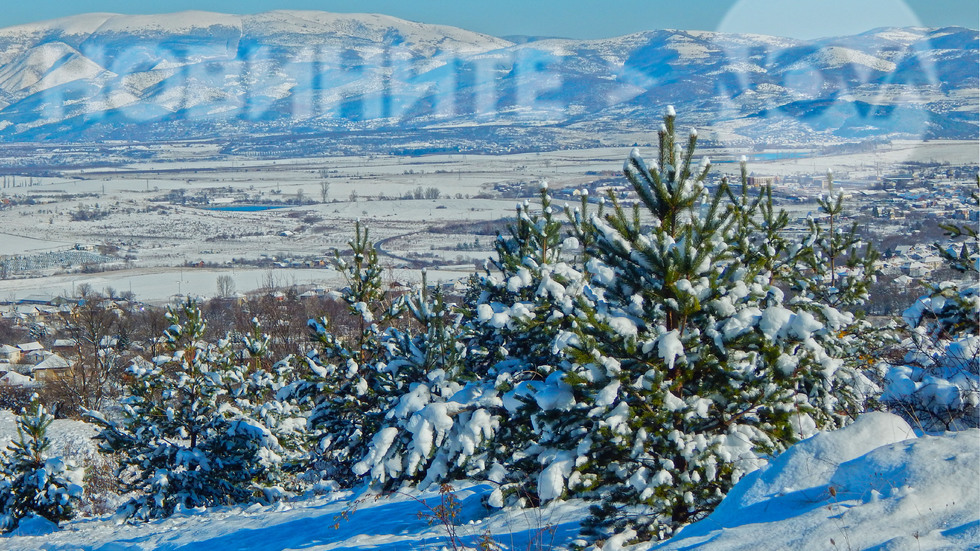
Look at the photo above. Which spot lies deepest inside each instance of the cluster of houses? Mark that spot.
(913, 261)
(30, 364)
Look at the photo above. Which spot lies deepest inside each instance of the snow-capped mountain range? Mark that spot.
(200, 74)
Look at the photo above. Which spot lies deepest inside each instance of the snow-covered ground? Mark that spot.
(339, 521)
(873, 485)
(65, 435)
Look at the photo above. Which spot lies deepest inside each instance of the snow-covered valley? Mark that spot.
(167, 244)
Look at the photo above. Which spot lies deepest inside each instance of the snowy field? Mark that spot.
(153, 238)
(873, 485)
(161, 285)
(16, 244)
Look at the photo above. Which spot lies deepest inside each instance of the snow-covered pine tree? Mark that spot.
(513, 316)
(369, 306)
(832, 266)
(348, 385)
(938, 386)
(471, 414)
(967, 259)
(31, 481)
(828, 272)
(437, 346)
(421, 415)
(690, 365)
(183, 440)
(253, 393)
(516, 308)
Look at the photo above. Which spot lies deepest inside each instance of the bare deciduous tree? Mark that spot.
(226, 286)
(100, 330)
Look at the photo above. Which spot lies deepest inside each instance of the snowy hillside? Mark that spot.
(871, 485)
(188, 74)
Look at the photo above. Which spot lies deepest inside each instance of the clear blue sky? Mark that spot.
(573, 18)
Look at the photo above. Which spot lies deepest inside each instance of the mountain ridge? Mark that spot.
(195, 74)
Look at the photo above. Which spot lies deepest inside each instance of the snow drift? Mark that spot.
(872, 485)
